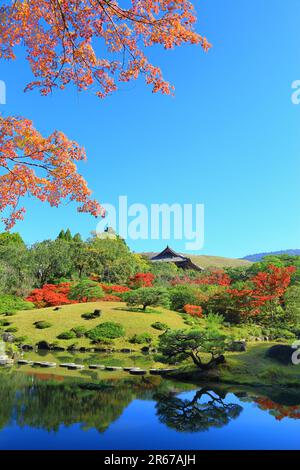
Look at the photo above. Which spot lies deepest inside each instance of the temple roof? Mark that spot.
(170, 256)
(168, 253)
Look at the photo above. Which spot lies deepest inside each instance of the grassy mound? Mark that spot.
(69, 317)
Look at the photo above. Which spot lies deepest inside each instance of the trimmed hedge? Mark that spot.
(106, 330)
(160, 326)
(42, 325)
(67, 335)
(141, 338)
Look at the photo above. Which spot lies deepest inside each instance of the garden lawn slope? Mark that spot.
(69, 316)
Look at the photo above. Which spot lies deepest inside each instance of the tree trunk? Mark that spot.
(214, 362)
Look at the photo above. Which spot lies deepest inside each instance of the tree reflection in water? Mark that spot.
(46, 405)
(29, 401)
(207, 409)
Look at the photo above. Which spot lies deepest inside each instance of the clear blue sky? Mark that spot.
(228, 139)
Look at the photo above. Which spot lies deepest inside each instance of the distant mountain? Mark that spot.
(260, 256)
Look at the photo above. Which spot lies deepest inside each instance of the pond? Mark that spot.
(44, 411)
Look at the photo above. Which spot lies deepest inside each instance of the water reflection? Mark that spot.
(206, 409)
(48, 405)
(121, 408)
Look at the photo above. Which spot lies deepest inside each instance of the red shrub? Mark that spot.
(116, 289)
(193, 310)
(51, 295)
(142, 280)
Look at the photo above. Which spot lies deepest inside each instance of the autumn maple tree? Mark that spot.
(266, 288)
(41, 167)
(87, 43)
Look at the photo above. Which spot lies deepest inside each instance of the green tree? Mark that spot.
(65, 235)
(204, 411)
(163, 272)
(112, 260)
(182, 295)
(77, 238)
(178, 345)
(7, 238)
(238, 273)
(147, 296)
(85, 291)
(291, 305)
(61, 235)
(15, 266)
(81, 258)
(68, 235)
(51, 260)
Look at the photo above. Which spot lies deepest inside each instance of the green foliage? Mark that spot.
(214, 319)
(182, 295)
(86, 291)
(4, 323)
(8, 238)
(142, 338)
(11, 349)
(112, 260)
(42, 325)
(160, 326)
(147, 296)
(237, 273)
(164, 272)
(91, 315)
(178, 345)
(222, 303)
(67, 236)
(245, 331)
(11, 329)
(189, 320)
(51, 260)
(79, 331)
(106, 330)
(275, 333)
(11, 303)
(67, 335)
(21, 340)
(292, 304)
(77, 238)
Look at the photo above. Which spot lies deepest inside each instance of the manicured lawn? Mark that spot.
(70, 316)
(249, 368)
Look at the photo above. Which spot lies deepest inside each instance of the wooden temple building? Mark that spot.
(170, 256)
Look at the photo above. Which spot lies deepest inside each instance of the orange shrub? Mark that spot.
(194, 310)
